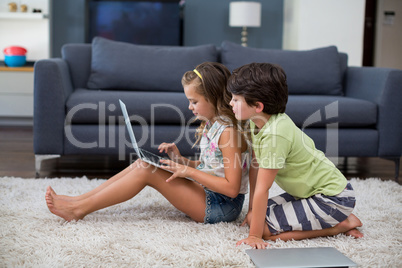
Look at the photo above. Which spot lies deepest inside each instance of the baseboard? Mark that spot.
(16, 121)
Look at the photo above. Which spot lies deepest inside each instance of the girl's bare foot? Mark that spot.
(62, 208)
(62, 197)
(349, 226)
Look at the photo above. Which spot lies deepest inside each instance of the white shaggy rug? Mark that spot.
(149, 232)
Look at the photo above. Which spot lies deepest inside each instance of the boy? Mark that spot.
(318, 200)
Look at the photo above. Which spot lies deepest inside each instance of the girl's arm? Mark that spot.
(173, 152)
(264, 182)
(187, 162)
(230, 145)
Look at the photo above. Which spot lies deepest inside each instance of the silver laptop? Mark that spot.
(144, 155)
(299, 257)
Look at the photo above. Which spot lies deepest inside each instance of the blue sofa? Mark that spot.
(348, 111)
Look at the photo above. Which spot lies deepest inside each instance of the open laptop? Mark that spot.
(144, 155)
(299, 257)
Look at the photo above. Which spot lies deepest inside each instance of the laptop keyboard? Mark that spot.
(151, 157)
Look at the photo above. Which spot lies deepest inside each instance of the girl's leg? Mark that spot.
(94, 191)
(185, 195)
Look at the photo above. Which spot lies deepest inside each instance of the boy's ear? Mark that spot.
(259, 107)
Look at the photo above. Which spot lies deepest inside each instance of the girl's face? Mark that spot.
(241, 109)
(200, 107)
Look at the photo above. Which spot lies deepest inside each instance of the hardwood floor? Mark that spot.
(17, 160)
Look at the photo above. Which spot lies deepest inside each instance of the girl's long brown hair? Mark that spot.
(212, 86)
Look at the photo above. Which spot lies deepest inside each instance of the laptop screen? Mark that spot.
(129, 128)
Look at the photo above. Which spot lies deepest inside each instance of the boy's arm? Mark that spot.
(252, 178)
(253, 172)
(265, 178)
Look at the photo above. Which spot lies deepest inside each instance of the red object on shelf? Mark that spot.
(14, 50)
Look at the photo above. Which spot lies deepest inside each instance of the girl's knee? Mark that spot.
(141, 169)
(139, 164)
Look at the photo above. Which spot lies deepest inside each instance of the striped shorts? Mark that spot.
(287, 213)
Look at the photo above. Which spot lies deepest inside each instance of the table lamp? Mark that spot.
(244, 14)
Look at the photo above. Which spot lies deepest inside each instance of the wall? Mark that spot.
(68, 24)
(22, 30)
(311, 24)
(388, 35)
(205, 22)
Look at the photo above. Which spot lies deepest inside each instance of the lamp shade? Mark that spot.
(245, 14)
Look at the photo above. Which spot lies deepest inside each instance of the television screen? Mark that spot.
(137, 22)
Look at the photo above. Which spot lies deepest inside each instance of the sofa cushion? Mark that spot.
(314, 72)
(318, 111)
(119, 65)
(353, 142)
(114, 140)
(86, 106)
(78, 58)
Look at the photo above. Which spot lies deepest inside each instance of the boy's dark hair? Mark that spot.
(261, 82)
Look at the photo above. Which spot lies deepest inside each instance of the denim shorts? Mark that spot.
(221, 208)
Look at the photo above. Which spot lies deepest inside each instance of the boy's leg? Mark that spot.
(348, 227)
(313, 217)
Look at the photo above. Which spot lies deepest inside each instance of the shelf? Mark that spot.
(16, 69)
(16, 92)
(23, 15)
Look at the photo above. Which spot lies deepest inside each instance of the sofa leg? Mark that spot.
(345, 164)
(397, 165)
(397, 161)
(39, 159)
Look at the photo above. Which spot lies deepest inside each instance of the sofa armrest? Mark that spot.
(382, 86)
(52, 86)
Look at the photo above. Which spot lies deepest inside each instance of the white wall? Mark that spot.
(310, 24)
(31, 4)
(21, 30)
(388, 45)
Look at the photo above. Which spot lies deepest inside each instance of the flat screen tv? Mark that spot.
(138, 22)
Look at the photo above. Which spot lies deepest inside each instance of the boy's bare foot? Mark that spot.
(349, 226)
(62, 208)
(355, 233)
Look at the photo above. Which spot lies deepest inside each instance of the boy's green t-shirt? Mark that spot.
(303, 170)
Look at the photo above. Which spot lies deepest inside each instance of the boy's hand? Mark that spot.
(171, 150)
(254, 242)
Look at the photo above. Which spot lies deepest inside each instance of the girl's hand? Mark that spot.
(254, 242)
(171, 150)
(178, 170)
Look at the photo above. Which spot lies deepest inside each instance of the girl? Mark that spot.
(219, 179)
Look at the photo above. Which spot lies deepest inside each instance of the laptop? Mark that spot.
(299, 257)
(144, 155)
